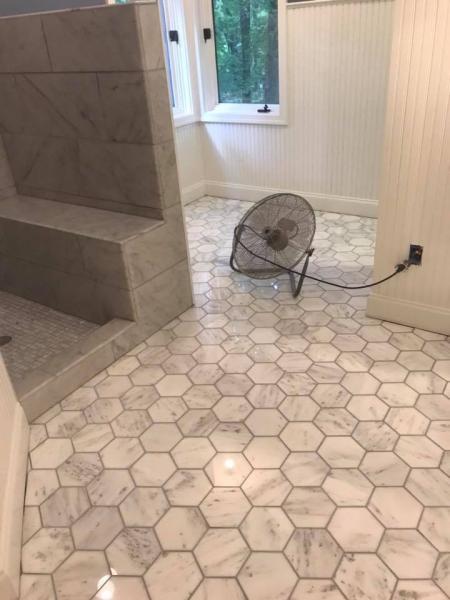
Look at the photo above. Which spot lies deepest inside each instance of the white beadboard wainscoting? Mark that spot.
(330, 151)
(13, 460)
(414, 197)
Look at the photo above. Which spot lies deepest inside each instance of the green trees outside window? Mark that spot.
(246, 37)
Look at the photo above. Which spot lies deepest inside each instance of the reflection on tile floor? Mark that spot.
(258, 447)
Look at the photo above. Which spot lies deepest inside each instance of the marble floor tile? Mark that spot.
(219, 589)
(97, 528)
(364, 576)
(395, 507)
(133, 551)
(266, 528)
(408, 554)
(347, 487)
(313, 553)
(267, 576)
(221, 552)
(319, 589)
(174, 576)
(122, 588)
(46, 550)
(355, 529)
(258, 447)
(309, 507)
(417, 590)
(181, 528)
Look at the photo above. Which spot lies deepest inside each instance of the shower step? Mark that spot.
(45, 386)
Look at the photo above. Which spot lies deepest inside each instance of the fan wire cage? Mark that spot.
(273, 237)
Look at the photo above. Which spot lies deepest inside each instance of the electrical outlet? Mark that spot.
(415, 254)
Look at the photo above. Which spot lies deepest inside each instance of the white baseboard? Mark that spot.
(11, 516)
(193, 192)
(413, 314)
(363, 207)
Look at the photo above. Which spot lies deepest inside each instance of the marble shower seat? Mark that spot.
(127, 273)
(70, 255)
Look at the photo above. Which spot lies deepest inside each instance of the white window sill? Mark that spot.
(238, 113)
(181, 120)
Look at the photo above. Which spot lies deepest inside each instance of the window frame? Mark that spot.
(213, 111)
(181, 60)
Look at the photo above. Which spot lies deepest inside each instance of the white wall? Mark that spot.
(13, 460)
(191, 164)
(338, 62)
(415, 197)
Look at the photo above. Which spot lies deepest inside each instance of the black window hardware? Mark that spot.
(207, 35)
(266, 109)
(173, 36)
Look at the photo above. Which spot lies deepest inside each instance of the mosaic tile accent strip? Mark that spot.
(38, 333)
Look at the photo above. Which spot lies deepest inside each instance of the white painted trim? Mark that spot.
(212, 111)
(414, 314)
(303, 3)
(364, 207)
(13, 464)
(193, 192)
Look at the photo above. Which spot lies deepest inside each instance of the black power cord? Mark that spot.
(398, 268)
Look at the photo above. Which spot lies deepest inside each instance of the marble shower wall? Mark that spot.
(84, 110)
(7, 187)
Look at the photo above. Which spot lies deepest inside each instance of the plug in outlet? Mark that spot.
(415, 254)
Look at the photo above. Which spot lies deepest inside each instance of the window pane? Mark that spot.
(246, 35)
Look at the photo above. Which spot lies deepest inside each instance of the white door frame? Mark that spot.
(14, 439)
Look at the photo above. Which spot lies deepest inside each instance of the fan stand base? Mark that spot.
(296, 287)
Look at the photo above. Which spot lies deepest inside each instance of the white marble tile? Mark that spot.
(153, 469)
(409, 589)
(51, 453)
(64, 507)
(266, 452)
(266, 487)
(95, 571)
(395, 507)
(320, 589)
(187, 487)
(110, 487)
(46, 550)
(434, 526)
(408, 554)
(174, 576)
(218, 589)
(267, 576)
(225, 507)
(365, 575)
(143, 507)
(181, 528)
(133, 551)
(36, 587)
(40, 485)
(228, 469)
(266, 528)
(309, 507)
(313, 553)
(230, 437)
(355, 529)
(122, 588)
(221, 552)
(97, 528)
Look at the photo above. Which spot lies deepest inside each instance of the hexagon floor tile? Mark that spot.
(259, 447)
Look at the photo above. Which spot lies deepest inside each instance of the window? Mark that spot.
(177, 29)
(246, 35)
(242, 60)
